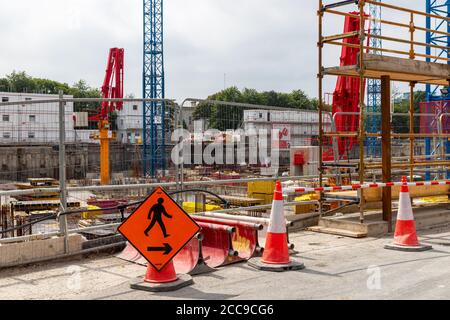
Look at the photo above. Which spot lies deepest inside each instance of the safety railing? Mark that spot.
(224, 238)
(188, 186)
(412, 27)
(403, 42)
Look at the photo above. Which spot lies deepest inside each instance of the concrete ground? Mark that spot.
(336, 268)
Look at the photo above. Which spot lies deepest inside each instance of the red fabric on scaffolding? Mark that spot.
(346, 94)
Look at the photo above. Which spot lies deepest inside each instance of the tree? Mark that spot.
(50, 87)
(4, 85)
(401, 123)
(21, 82)
(225, 117)
(81, 89)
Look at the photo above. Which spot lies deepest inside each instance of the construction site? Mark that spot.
(156, 198)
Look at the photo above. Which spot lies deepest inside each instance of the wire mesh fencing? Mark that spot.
(225, 140)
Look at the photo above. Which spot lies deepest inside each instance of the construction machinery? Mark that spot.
(112, 89)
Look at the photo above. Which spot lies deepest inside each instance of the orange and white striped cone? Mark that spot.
(405, 237)
(161, 281)
(276, 252)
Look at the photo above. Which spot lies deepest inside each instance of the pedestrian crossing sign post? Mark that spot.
(159, 228)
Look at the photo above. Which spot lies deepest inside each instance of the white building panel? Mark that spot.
(35, 123)
(130, 123)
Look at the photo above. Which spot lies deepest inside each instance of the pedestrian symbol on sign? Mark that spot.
(159, 228)
(158, 210)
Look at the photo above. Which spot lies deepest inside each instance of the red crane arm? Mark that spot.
(112, 84)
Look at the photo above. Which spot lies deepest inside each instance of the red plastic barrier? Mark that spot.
(214, 248)
(217, 245)
(244, 240)
(129, 254)
(187, 259)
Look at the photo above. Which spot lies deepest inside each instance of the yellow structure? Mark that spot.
(104, 137)
(191, 207)
(306, 208)
(91, 215)
(261, 190)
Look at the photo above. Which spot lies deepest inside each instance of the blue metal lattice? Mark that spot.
(374, 86)
(439, 8)
(153, 88)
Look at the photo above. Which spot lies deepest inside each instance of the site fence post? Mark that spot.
(178, 125)
(62, 171)
(182, 163)
(386, 146)
(320, 107)
(362, 126)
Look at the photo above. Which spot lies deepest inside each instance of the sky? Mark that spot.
(209, 44)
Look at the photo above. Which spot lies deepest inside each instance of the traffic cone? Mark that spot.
(276, 252)
(161, 281)
(405, 237)
(166, 275)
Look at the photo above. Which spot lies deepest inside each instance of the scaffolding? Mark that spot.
(374, 85)
(154, 117)
(436, 35)
(402, 62)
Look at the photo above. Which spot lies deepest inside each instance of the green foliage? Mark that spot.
(82, 90)
(225, 117)
(22, 82)
(400, 124)
(4, 85)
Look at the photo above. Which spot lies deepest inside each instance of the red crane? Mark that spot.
(112, 89)
(112, 84)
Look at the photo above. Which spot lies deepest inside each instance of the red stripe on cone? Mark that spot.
(278, 194)
(404, 187)
(276, 250)
(166, 275)
(405, 233)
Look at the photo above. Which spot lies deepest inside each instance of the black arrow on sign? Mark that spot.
(166, 249)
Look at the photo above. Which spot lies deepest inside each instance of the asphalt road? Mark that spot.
(336, 268)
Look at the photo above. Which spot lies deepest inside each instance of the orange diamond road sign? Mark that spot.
(159, 228)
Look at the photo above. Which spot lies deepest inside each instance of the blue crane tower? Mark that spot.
(153, 88)
(437, 37)
(374, 85)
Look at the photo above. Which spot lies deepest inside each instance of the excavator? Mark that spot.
(112, 89)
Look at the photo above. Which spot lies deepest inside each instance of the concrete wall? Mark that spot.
(123, 157)
(20, 162)
(13, 254)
